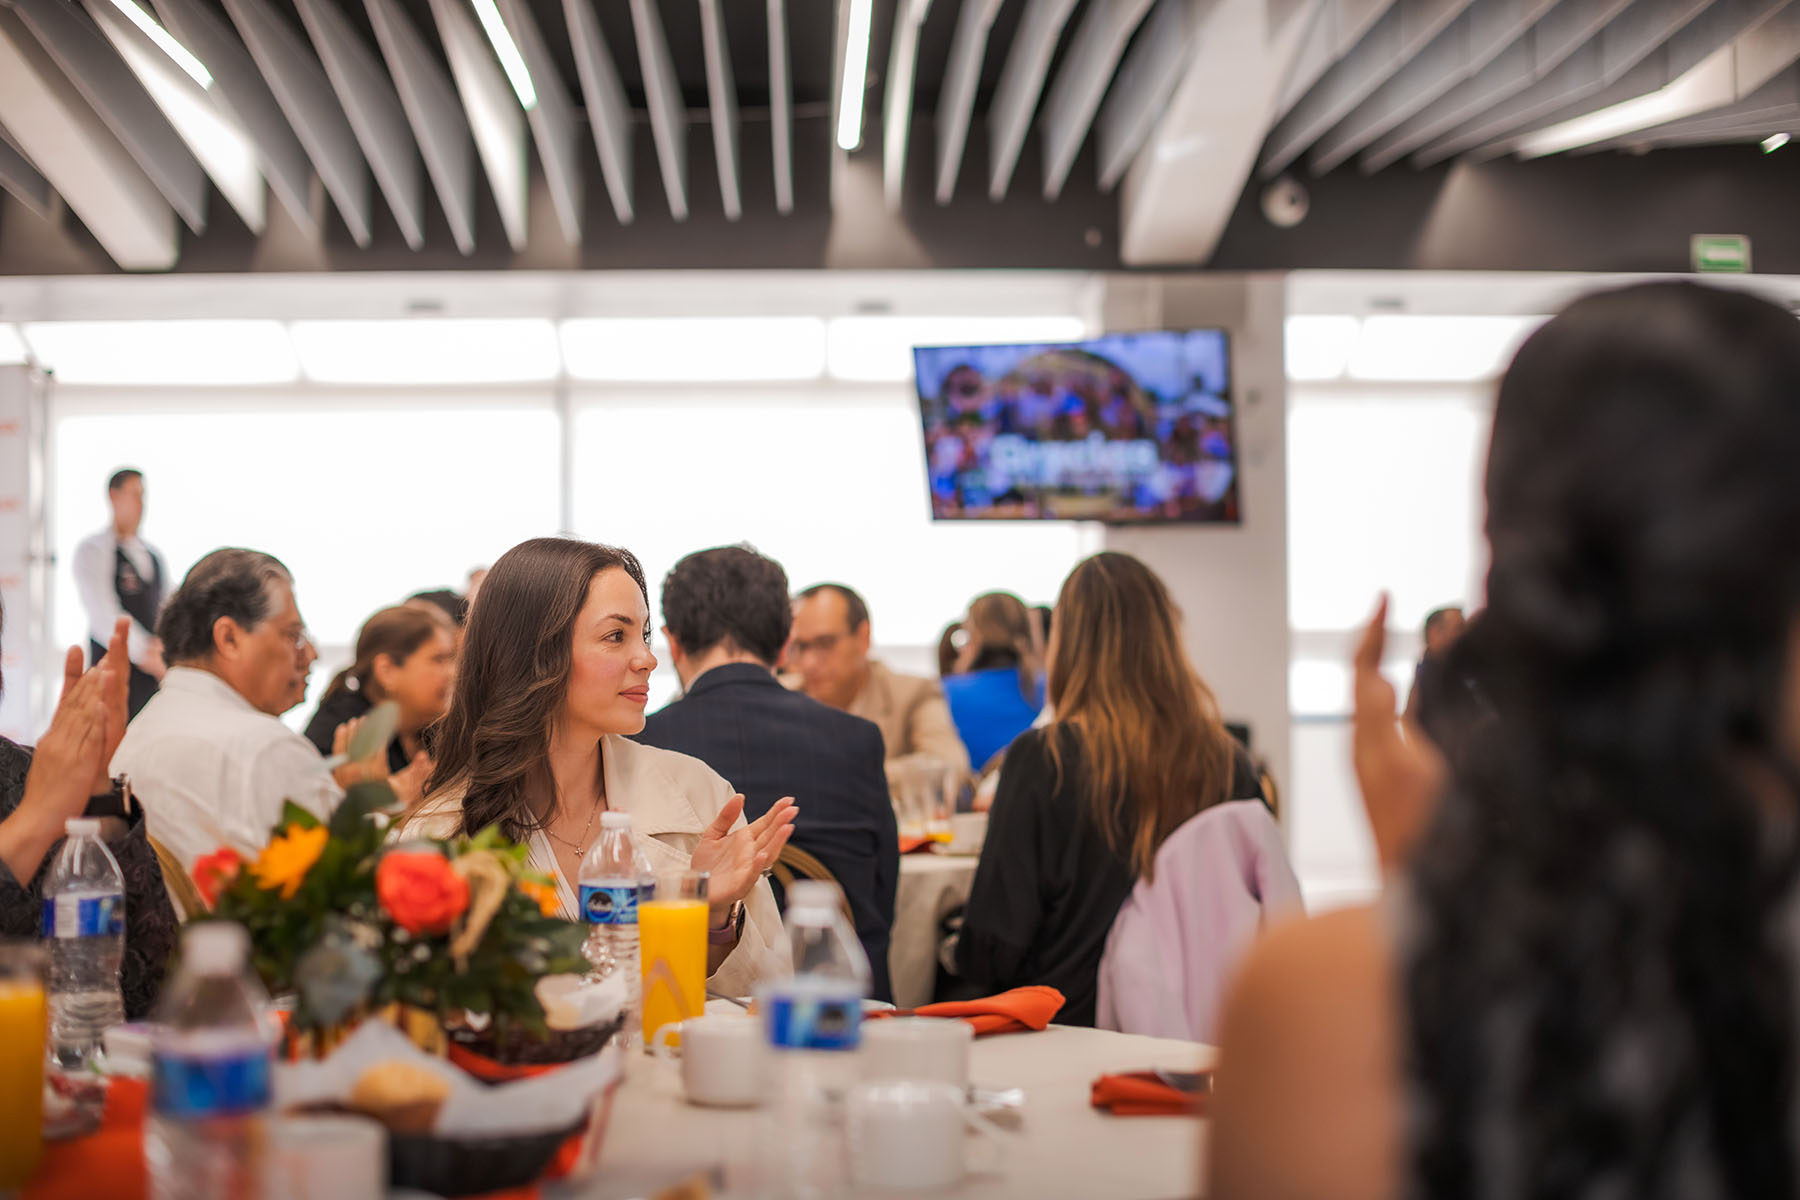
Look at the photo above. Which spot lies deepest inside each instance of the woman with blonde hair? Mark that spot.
(405, 654)
(1136, 748)
(996, 686)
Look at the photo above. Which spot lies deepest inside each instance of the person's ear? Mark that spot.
(862, 637)
(227, 639)
(676, 654)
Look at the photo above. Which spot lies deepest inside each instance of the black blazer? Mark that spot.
(771, 742)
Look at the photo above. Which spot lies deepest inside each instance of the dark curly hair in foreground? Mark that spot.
(1599, 985)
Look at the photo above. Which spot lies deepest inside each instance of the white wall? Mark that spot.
(1230, 581)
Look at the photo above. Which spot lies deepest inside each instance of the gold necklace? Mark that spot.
(578, 846)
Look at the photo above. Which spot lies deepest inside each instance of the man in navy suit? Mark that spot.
(726, 617)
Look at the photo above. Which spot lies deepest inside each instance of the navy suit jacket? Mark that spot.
(771, 742)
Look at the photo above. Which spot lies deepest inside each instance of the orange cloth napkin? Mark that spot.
(1017, 1011)
(1142, 1094)
(909, 844)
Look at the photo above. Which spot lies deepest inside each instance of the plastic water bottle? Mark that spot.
(211, 1074)
(612, 883)
(813, 1023)
(84, 922)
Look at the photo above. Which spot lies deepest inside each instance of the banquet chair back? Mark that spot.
(1220, 879)
(182, 891)
(794, 863)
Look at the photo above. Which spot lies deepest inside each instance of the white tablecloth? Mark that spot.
(1062, 1150)
(930, 886)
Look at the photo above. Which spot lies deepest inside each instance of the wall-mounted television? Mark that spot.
(1128, 428)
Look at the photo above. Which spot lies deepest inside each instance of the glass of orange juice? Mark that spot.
(672, 950)
(23, 1023)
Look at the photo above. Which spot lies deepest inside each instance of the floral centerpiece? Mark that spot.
(432, 932)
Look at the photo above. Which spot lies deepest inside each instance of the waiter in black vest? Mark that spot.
(118, 574)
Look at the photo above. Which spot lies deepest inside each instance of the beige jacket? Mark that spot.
(672, 798)
(913, 715)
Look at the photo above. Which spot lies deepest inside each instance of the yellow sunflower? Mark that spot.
(285, 861)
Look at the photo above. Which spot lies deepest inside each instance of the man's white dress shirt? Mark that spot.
(95, 568)
(212, 771)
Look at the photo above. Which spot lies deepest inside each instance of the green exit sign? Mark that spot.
(1721, 252)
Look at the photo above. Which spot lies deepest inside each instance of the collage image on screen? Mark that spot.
(1126, 428)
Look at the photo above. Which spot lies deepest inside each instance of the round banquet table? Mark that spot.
(930, 886)
(1060, 1148)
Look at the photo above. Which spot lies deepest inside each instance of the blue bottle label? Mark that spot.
(191, 1087)
(83, 916)
(609, 904)
(814, 1022)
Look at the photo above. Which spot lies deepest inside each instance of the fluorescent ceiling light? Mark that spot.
(1318, 348)
(856, 74)
(12, 347)
(674, 349)
(1437, 348)
(1774, 142)
(184, 58)
(427, 351)
(165, 353)
(879, 349)
(511, 61)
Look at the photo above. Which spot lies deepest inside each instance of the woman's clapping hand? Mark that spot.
(736, 858)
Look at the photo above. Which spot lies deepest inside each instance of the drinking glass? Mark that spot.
(672, 950)
(23, 1028)
(945, 783)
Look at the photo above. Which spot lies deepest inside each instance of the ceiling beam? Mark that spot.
(608, 111)
(208, 129)
(240, 90)
(1021, 83)
(438, 126)
(1772, 108)
(552, 119)
(1697, 72)
(781, 107)
(300, 87)
(956, 95)
(80, 157)
(1568, 28)
(1146, 80)
(1185, 184)
(1087, 69)
(22, 180)
(897, 104)
(1338, 25)
(1473, 41)
(722, 107)
(1626, 41)
(668, 113)
(1403, 32)
(117, 97)
(496, 122)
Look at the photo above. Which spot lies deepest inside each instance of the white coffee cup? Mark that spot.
(908, 1133)
(326, 1158)
(935, 1049)
(723, 1059)
(967, 832)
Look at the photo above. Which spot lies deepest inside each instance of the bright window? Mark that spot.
(364, 504)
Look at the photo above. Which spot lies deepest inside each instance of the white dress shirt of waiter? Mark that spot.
(209, 758)
(118, 574)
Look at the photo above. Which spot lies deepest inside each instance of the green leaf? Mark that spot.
(293, 814)
(363, 799)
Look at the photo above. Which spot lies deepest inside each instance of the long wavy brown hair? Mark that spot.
(513, 677)
(1153, 749)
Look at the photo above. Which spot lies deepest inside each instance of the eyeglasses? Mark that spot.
(820, 645)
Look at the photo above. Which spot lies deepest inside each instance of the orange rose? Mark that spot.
(214, 872)
(420, 891)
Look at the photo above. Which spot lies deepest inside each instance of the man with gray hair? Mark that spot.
(208, 757)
